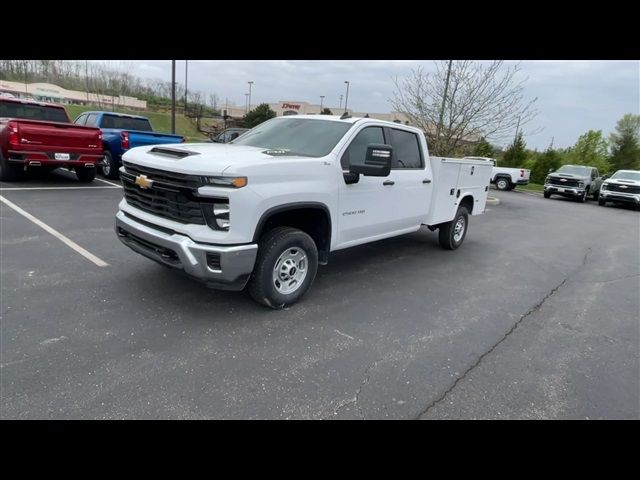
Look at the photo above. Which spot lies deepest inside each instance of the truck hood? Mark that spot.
(200, 158)
(621, 181)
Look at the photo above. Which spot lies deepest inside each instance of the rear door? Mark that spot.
(412, 177)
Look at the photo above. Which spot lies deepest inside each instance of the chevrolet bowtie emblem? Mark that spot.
(143, 182)
(623, 186)
(562, 180)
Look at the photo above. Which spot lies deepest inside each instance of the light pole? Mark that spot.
(346, 99)
(186, 68)
(173, 96)
(250, 83)
(246, 102)
(340, 101)
(321, 101)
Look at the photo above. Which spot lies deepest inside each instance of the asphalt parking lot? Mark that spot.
(535, 317)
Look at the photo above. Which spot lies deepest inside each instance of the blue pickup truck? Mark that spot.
(120, 132)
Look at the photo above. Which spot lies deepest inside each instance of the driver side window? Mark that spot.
(357, 150)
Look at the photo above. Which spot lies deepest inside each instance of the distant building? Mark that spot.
(48, 92)
(294, 107)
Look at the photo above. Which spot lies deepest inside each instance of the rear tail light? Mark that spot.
(522, 173)
(99, 135)
(13, 133)
(125, 140)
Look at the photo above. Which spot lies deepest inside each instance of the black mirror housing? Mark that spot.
(377, 162)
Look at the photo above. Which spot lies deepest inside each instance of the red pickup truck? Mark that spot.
(41, 135)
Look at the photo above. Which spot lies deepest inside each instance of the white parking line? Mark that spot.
(2, 189)
(70, 243)
(110, 183)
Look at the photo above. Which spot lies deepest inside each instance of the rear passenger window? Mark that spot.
(357, 150)
(405, 149)
(92, 119)
(80, 120)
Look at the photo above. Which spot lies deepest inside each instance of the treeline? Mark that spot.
(106, 79)
(620, 150)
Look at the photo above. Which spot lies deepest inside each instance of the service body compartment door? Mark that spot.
(445, 186)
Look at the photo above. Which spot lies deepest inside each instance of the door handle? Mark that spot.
(388, 182)
(426, 180)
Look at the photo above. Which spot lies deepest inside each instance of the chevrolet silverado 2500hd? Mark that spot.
(267, 208)
(573, 181)
(506, 178)
(622, 187)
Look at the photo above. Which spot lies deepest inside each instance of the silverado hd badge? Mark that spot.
(143, 182)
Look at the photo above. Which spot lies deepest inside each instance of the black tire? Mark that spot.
(447, 231)
(547, 194)
(85, 174)
(109, 168)
(274, 244)
(503, 183)
(10, 173)
(602, 202)
(582, 198)
(596, 195)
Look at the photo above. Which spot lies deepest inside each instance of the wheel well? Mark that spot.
(467, 202)
(313, 220)
(499, 176)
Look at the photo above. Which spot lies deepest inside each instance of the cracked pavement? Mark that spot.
(536, 316)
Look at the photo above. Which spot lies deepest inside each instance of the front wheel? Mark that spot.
(285, 268)
(503, 183)
(601, 201)
(582, 198)
(451, 234)
(547, 195)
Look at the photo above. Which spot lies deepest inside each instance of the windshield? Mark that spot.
(570, 169)
(296, 136)
(626, 175)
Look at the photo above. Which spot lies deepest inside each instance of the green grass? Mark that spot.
(532, 187)
(161, 122)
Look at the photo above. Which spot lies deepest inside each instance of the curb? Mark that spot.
(493, 201)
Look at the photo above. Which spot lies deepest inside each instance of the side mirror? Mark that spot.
(550, 170)
(604, 177)
(377, 161)
(234, 136)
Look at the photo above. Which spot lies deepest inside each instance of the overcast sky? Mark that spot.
(573, 96)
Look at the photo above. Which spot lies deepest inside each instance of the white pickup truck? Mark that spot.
(266, 209)
(505, 178)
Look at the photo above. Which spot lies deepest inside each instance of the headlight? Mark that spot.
(580, 184)
(546, 180)
(228, 182)
(603, 186)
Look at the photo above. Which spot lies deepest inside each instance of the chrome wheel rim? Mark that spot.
(290, 270)
(458, 229)
(106, 167)
(502, 184)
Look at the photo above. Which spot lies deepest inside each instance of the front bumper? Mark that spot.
(218, 266)
(609, 196)
(567, 191)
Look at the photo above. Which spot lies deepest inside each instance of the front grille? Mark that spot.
(168, 178)
(613, 187)
(174, 204)
(565, 182)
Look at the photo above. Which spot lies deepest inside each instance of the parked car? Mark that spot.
(265, 210)
(622, 187)
(38, 135)
(506, 178)
(573, 181)
(121, 132)
(228, 135)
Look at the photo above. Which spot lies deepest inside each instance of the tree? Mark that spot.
(326, 111)
(463, 101)
(591, 149)
(549, 160)
(483, 149)
(516, 154)
(625, 143)
(258, 115)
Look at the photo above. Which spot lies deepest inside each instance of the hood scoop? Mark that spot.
(172, 152)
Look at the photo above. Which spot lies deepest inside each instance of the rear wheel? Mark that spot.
(86, 174)
(503, 183)
(451, 234)
(285, 268)
(10, 173)
(109, 166)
